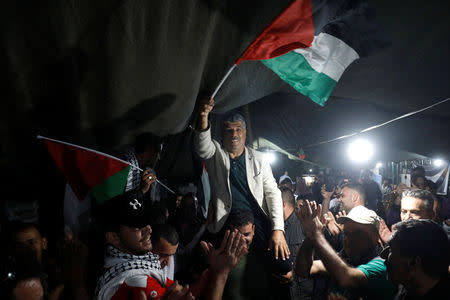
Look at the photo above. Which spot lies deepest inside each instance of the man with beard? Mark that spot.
(241, 179)
(131, 271)
(417, 257)
(357, 269)
(352, 195)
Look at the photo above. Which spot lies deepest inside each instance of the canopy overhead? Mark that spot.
(96, 73)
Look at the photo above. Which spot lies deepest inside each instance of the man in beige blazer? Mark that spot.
(240, 179)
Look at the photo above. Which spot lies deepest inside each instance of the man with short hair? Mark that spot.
(417, 204)
(352, 195)
(22, 280)
(165, 243)
(297, 288)
(249, 279)
(357, 269)
(417, 257)
(131, 271)
(26, 239)
(373, 195)
(129, 266)
(240, 178)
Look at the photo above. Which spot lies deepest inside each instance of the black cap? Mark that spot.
(124, 209)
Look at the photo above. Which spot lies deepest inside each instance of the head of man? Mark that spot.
(418, 181)
(352, 195)
(360, 232)
(22, 279)
(287, 183)
(126, 225)
(288, 201)
(417, 204)
(418, 171)
(242, 220)
(148, 148)
(417, 249)
(165, 243)
(234, 134)
(25, 238)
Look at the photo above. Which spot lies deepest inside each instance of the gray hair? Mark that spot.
(427, 197)
(231, 118)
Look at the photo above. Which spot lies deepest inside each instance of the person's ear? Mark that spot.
(112, 238)
(44, 243)
(414, 262)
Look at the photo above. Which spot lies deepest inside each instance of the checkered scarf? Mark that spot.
(134, 177)
(119, 266)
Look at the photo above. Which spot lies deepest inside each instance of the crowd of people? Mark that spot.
(261, 239)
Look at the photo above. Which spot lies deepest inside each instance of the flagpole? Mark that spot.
(223, 80)
(104, 154)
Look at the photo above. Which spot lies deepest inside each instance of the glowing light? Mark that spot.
(379, 165)
(270, 157)
(310, 170)
(308, 180)
(360, 150)
(438, 162)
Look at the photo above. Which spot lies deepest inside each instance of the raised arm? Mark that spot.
(203, 144)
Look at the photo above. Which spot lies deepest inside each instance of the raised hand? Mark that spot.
(228, 255)
(309, 214)
(206, 106)
(146, 180)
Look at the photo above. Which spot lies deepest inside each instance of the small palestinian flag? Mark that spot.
(301, 154)
(88, 171)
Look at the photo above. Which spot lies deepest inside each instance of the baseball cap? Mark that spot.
(125, 209)
(362, 215)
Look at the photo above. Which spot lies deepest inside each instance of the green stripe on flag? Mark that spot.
(111, 187)
(293, 68)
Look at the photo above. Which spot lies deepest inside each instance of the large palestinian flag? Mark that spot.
(311, 43)
(88, 171)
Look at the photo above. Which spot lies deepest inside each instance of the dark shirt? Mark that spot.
(373, 194)
(393, 215)
(439, 291)
(241, 196)
(299, 288)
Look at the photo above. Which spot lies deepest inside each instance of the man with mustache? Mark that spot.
(240, 179)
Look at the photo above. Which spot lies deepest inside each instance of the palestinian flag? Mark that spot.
(301, 154)
(88, 171)
(311, 43)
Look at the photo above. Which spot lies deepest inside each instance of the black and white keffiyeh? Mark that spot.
(134, 177)
(120, 266)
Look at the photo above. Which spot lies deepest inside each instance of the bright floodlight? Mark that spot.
(360, 150)
(310, 170)
(379, 165)
(438, 162)
(270, 157)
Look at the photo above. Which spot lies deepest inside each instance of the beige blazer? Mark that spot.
(260, 180)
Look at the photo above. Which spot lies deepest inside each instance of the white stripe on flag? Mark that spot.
(328, 55)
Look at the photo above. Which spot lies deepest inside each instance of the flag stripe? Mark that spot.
(292, 29)
(296, 71)
(111, 187)
(329, 55)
